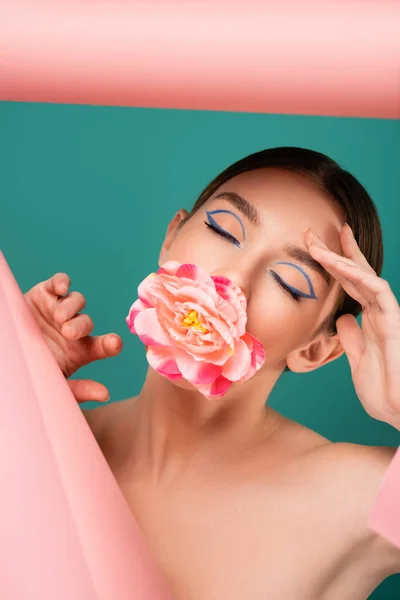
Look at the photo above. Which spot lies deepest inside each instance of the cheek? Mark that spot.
(193, 246)
(279, 324)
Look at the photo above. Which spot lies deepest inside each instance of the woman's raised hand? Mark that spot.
(373, 350)
(68, 333)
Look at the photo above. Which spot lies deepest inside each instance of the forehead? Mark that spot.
(289, 203)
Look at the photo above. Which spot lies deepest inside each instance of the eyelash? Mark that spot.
(223, 234)
(295, 296)
(234, 241)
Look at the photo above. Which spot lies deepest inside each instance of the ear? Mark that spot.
(172, 232)
(317, 353)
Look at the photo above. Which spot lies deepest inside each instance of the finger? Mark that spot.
(57, 285)
(351, 248)
(78, 327)
(328, 260)
(376, 292)
(45, 300)
(86, 390)
(69, 306)
(379, 288)
(350, 287)
(351, 338)
(103, 346)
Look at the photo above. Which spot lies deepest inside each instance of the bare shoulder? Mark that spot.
(362, 468)
(371, 460)
(353, 462)
(298, 440)
(358, 472)
(346, 478)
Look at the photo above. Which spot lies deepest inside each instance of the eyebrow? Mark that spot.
(243, 205)
(306, 259)
(293, 251)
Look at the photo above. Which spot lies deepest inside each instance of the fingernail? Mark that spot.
(117, 339)
(104, 401)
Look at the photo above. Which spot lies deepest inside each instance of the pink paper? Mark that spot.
(385, 516)
(309, 57)
(66, 530)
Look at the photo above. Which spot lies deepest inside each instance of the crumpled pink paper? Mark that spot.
(66, 531)
(385, 516)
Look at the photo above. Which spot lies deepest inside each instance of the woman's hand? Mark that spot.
(373, 350)
(67, 333)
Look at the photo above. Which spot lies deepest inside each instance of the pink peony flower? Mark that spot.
(195, 328)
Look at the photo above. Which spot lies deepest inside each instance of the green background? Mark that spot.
(90, 190)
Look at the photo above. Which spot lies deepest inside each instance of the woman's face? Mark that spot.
(243, 232)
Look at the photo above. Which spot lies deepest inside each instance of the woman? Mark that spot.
(235, 500)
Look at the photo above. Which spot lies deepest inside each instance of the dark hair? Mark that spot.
(339, 185)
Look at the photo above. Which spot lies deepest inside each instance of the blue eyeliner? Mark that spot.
(213, 222)
(214, 225)
(312, 296)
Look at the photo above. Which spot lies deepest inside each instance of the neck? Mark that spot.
(175, 424)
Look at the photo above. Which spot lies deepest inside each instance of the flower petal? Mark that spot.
(257, 356)
(239, 364)
(145, 289)
(230, 291)
(161, 360)
(222, 329)
(196, 371)
(217, 389)
(232, 294)
(196, 273)
(170, 267)
(227, 311)
(134, 310)
(192, 293)
(149, 329)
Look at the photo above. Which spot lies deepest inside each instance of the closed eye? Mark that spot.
(223, 233)
(296, 297)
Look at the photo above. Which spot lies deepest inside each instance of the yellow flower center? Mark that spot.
(192, 320)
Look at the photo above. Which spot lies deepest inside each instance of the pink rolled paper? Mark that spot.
(308, 57)
(66, 530)
(385, 516)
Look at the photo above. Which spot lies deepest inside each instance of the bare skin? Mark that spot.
(235, 500)
(281, 516)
